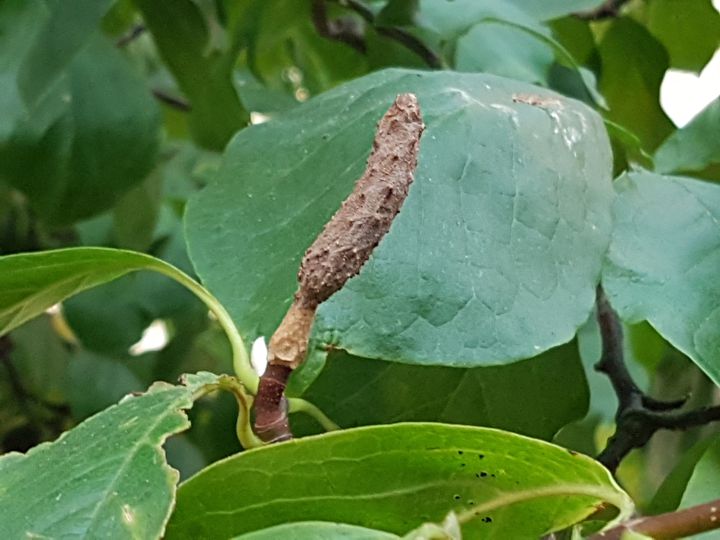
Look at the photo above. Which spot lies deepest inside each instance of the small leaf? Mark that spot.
(106, 477)
(633, 66)
(674, 21)
(662, 265)
(317, 530)
(695, 146)
(69, 26)
(703, 484)
(31, 283)
(395, 478)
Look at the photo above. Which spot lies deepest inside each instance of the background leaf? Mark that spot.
(118, 485)
(508, 196)
(673, 21)
(31, 283)
(546, 392)
(394, 478)
(633, 64)
(694, 147)
(662, 266)
(103, 143)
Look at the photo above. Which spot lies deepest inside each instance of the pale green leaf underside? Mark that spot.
(395, 478)
(317, 530)
(105, 478)
(506, 222)
(662, 265)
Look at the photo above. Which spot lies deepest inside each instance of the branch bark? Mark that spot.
(679, 524)
(339, 252)
(638, 416)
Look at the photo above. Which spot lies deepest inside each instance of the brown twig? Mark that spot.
(679, 524)
(638, 416)
(339, 252)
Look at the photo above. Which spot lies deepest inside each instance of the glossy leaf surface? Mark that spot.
(395, 478)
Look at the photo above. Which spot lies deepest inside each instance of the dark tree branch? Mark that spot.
(345, 30)
(172, 101)
(608, 10)
(342, 30)
(638, 416)
(679, 524)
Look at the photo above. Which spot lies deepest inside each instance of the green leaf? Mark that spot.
(549, 391)
(553, 9)
(395, 478)
(106, 477)
(670, 493)
(41, 360)
(69, 26)
(104, 142)
(111, 319)
(452, 19)
(184, 39)
(702, 486)
(30, 283)
(662, 266)
(317, 530)
(504, 50)
(695, 146)
(689, 30)
(507, 220)
(633, 66)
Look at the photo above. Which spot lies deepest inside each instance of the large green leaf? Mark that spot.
(663, 260)
(105, 478)
(202, 68)
(285, 51)
(102, 144)
(633, 66)
(548, 392)
(695, 146)
(394, 478)
(689, 30)
(506, 222)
